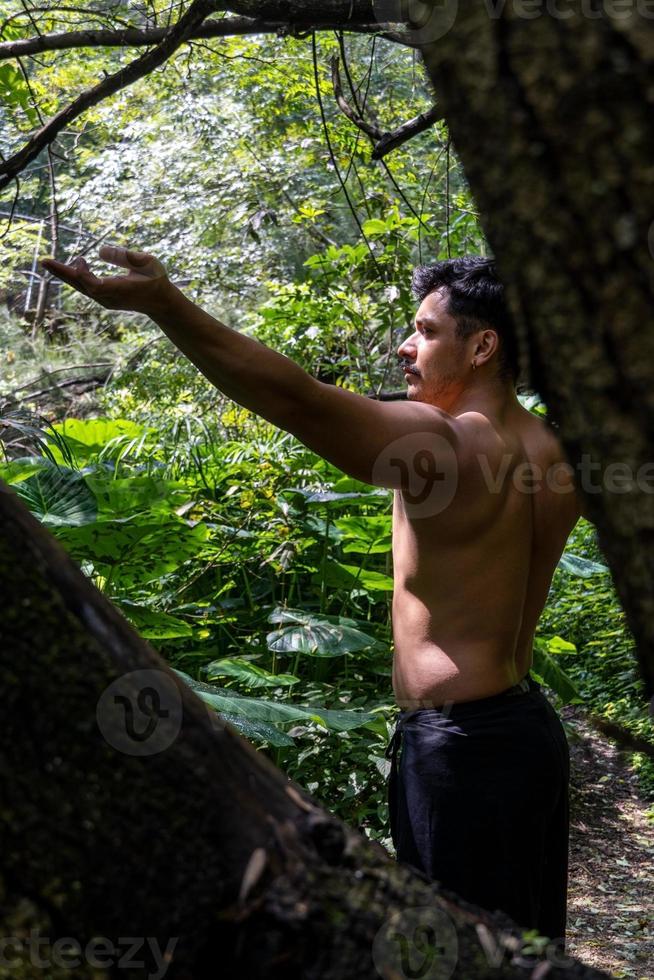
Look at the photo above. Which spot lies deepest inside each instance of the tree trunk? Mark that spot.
(551, 115)
(131, 810)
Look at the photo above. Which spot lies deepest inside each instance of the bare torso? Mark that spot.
(471, 581)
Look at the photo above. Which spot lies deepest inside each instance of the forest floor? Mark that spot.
(611, 879)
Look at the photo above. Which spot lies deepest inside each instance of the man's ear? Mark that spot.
(487, 344)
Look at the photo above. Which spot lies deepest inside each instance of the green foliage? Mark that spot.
(316, 636)
(583, 606)
(14, 92)
(547, 671)
(58, 496)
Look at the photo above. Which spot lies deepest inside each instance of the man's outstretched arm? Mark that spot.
(349, 430)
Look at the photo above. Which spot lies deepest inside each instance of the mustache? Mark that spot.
(406, 366)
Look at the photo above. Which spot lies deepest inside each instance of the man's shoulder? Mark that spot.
(477, 433)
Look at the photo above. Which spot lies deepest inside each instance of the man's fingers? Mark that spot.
(77, 274)
(134, 261)
(57, 268)
(66, 273)
(139, 258)
(116, 255)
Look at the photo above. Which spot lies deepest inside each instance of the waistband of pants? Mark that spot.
(525, 686)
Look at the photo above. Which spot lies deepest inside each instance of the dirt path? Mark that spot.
(611, 880)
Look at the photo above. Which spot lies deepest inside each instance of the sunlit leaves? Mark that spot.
(14, 92)
(261, 711)
(584, 567)
(154, 624)
(98, 438)
(314, 636)
(58, 496)
(249, 674)
(350, 576)
(366, 535)
(548, 671)
(137, 553)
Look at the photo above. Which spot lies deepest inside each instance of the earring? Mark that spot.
(474, 365)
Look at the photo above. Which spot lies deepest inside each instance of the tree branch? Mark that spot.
(383, 142)
(303, 12)
(368, 128)
(391, 141)
(134, 37)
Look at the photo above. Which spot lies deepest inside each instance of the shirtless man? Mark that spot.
(484, 503)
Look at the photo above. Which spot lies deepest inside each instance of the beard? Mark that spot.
(435, 391)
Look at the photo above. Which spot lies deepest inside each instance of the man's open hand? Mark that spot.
(142, 290)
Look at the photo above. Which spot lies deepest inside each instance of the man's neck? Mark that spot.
(494, 399)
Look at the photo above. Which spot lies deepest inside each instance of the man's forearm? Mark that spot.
(260, 379)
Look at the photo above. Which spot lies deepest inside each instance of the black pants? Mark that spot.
(479, 803)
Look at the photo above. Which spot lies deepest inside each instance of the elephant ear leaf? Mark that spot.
(582, 567)
(547, 671)
(58, 496)
(315, 636)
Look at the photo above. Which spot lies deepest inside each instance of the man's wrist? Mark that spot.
(163, 300)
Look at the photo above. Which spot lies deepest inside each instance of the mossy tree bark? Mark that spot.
(199, 842)
(550, 109)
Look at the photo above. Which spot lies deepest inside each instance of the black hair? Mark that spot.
(476, 299)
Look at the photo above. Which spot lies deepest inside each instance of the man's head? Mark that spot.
(463, 331)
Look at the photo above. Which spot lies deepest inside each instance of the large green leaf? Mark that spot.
(254, 709)
(583, 567)
(365, 535)
(556, 645)
(133, 495)
(547, 671)
(258, 731)
(333, 497)
(340, 720)
(17, 470)
(250, 674)
(15, 92)
(315, 636)
(58, 496)
(275, 712)
(89, 439)
(153, 624)
(350, 577)
(137, 553)
(374, 226)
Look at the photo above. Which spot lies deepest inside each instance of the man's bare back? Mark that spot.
(471, 581)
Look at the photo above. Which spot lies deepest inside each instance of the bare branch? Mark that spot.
(303, 12)
(390, 141)
(368, 128)
(194, 16)
(385, 142)
(134, 37)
